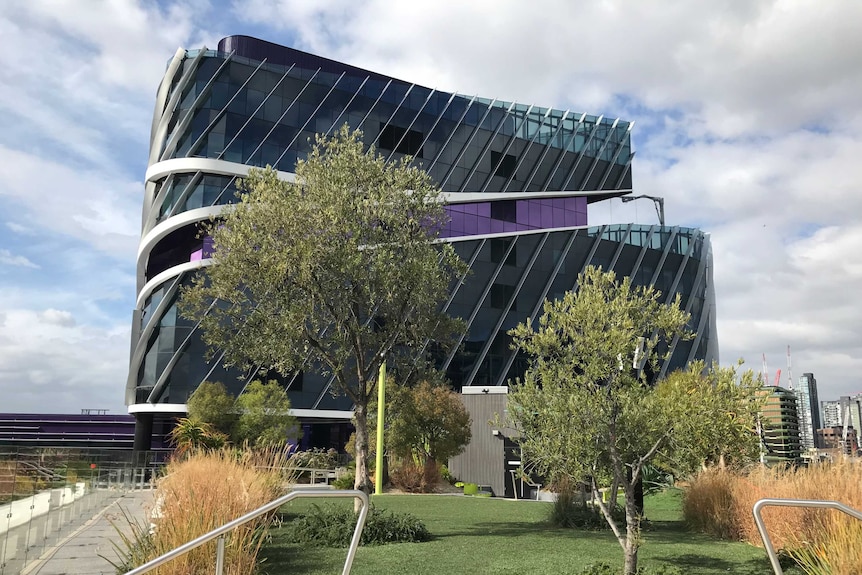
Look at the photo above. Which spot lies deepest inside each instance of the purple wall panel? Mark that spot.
(547, 216)
(474, 218)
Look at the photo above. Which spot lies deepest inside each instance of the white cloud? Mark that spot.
(9, 259)
(19, 229)
(755, 65)
(49, 364)
(91, 204)
(57, 317)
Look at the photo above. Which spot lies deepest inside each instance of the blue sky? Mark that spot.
(747, 122)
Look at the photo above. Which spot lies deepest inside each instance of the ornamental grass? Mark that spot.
(203, 491)
(720, 502)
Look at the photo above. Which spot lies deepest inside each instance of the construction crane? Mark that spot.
(789, 371)
(777, 378)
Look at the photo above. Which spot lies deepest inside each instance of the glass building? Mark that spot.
(809, 410)
(518, 180)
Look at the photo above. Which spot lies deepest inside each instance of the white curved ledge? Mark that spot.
(161, 169)
(158, 408)
(167, 275)
(174, 223)
(183, 408)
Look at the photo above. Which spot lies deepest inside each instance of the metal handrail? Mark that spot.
(271, 506)
(767, 542)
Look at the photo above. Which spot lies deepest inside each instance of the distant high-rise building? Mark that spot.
(851, 408)
(831, 414)
(809, 409)
(779, 425)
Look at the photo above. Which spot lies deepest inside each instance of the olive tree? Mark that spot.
(332, 271)
(586, 407)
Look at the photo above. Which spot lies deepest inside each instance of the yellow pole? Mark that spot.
(381, 408)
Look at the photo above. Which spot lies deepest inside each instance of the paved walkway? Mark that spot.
(86, 550)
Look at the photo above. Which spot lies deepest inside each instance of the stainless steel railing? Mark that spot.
(271, 506)
(767, 542)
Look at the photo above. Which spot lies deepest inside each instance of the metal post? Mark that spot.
(264, 509)
(761, 527)
(219, 556)
(381, 412)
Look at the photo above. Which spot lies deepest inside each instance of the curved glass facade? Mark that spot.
(526, 237)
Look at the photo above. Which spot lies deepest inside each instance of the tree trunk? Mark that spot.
(362, 481)
(430, 473)
(633, 519)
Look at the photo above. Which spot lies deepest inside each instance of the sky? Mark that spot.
(747, 122)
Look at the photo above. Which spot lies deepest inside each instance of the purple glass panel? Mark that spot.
(196, 256)
(522, 210)
(474, 218)
(547, 216)
(457, 223)
(535, 220)
(471, 224)
(559, 217)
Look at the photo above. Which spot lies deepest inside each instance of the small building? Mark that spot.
(831, 439)
(492, 458)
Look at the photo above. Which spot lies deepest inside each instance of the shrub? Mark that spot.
(332, 526)
(204, 491)
(446, 475)
(344, 481)
(709, 505)
(571, 511)
(412, 477)
(821, 541)
(316, 458)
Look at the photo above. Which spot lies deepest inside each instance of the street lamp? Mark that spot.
(659, 204)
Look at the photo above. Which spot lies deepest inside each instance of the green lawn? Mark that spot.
(497, 536)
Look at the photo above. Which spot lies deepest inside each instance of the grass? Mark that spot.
(200, 492)
(719, 502)
(501, 537)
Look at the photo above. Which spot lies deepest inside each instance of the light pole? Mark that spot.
(659, 204)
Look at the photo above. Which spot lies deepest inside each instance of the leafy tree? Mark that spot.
(335, 270)
(212, 403)
(264, 415)
(584, 410)
(427, 422)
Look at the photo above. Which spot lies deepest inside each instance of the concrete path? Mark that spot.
(84, 550)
